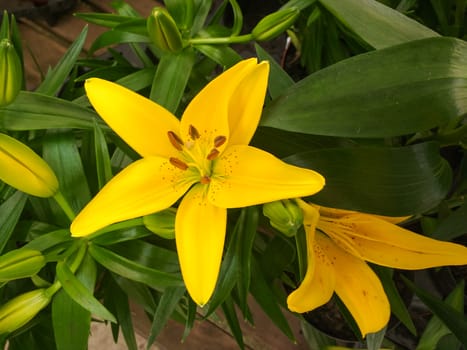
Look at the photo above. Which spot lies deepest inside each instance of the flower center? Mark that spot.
(196, 154)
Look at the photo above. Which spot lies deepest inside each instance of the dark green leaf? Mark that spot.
(80, 294)
(395, 91)
(104, 19)
(126, 268)
(389, 181)
(372, 21)
(104, 169)
(32, 111)
(230, 313)
(222, 55)
(56, 77)
(452, 318)
(116, 37)
(165, 308)
(453, 226)
(10, 212)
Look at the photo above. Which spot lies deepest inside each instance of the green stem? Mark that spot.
(301, 244)
(63, 203)
(222, 41)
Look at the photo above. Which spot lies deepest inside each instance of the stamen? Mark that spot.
(178, 163)
(193, 132)
(213, 154)
(175, 140)
(219, 141)
(205, 180)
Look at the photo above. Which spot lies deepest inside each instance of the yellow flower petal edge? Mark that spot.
(22, 168)
(142, 123)
(199, 235)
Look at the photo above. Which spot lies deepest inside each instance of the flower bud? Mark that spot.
(23, 169)
(162, 223)
(163, 31)
(20, 310)
(274, 24)
(20, 263)
(11, 73)
(285, 216)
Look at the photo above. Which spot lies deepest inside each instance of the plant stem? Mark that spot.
(63, 203)
(222, 41)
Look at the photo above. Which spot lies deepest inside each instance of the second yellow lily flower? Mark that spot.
(205, 155)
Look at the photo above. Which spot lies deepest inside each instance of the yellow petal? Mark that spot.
(140, 122)
(338, 213)
(246, 105)
(245, 175)
(318, 284)
(386, 244)
(358, 287)
(199, 234)
(208, 111)
(23, 169)
(148, 185)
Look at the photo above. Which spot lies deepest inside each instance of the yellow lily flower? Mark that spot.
(339, 244)
(205, 155)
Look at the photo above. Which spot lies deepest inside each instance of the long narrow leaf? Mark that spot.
(80, 294)
(10, 212)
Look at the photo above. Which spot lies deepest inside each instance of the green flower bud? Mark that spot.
(285, 216)
(274, 24)
(22, 309)
(163, 31)
(23, 169)
(162, 223)
(20, 263)
(11, 73)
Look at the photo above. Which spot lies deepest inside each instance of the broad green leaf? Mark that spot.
(80, 294)
(225, 56)
(104, 19)
(166, 306)
(70, 320)
(374, 340)
(171, 78)
(32, 111)
(400, 90)
(435, 329)
(201, 10)
(377, 24)
(453, 226)
(10, 212)
(57, 76)
(453, 319)
(137, 292)
(279, 80)
(49, 240)
(276, 257)
(126, 268)
(135, 26)
(62, 154)
(382, 180)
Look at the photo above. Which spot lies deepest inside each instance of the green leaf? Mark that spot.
(453, 319)
(32, 111)
(49, 240)
(231, 317)
(372, 21)
(104, 19)
(138, 292)
(435, 330)
(80, 294)
(10, 212)
(453, 226)
(167, 303)
(115, 37)
(225, 56)
(201, 10)
(57, 76)
(406, 88)
(126, 268)
(279, 80)
(381, 180)
(71, 321)
(171, 78)
(104, 168)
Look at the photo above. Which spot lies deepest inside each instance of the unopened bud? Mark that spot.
(161, 223)
(20, 263)
(163, 31)
(23, 169)
(274, 24)
(20, 310)
(11, 73)
(285, 216)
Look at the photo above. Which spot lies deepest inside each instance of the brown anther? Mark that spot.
(219, 141)
(194, 133)
(213, 154)
(175, 140)
(178, 163)
(205, 180)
